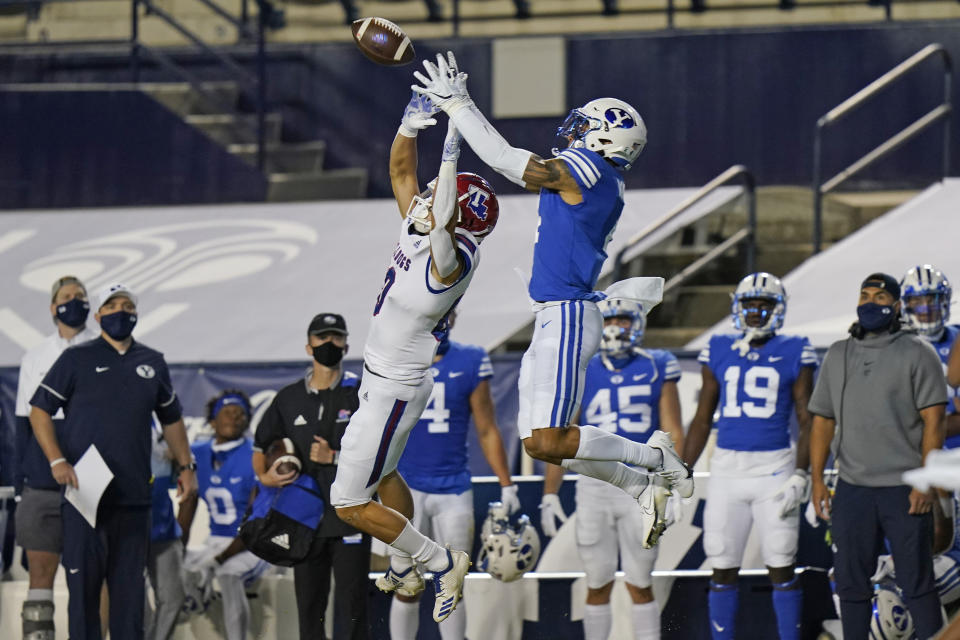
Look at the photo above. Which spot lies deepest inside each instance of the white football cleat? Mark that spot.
(407, 583)
(449, 584)
(672, 468)
(653, 509)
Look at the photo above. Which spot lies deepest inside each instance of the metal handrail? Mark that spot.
(943, 111)
(737, 171)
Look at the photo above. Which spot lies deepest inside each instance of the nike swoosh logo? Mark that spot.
(236, 480)
(717, 627)
(455, 374)
(639, 376)
(101, 370)
(72, 571)
(545, 323)
(775, 358)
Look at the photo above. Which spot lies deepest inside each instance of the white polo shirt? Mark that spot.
(38, 360)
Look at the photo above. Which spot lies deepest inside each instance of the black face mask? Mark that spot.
(328, 354)
(73, 313)
(119, 324)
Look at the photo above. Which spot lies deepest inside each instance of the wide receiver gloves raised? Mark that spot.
(417, 116)
(794, 492)
(446, 86)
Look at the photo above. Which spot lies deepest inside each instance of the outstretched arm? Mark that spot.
(446, 266)
(446, 86)
(417, 115)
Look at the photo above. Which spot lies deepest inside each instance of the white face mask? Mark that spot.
(419, 212)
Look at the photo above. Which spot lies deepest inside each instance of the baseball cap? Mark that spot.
(113, 290)
(882, 281)
(327, 322)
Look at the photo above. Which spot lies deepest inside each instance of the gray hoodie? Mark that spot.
(875, 388)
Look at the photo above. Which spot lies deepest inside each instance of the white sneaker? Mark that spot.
(672, 468)
(407, 583)
(653, 509)
(449, 584)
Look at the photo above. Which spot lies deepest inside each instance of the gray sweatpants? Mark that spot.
(165, 568)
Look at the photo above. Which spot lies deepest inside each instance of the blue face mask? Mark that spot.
(73, 313)
(874, 317)
(118, 325)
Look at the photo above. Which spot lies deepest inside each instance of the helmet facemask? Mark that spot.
(926, 295)
(618, 341)
(421, 209)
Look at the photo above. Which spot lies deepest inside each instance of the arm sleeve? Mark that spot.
(929, 385)
(821, 400)
(57, 386)
(270, 427)
(489, 145)
(168, 407)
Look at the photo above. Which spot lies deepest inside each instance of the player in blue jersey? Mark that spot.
(926, 296)
(757, 378)
(632, 392)
(581, 199)
(226, 483)
(435, 466)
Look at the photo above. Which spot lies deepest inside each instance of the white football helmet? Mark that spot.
(891, 619)
(925, 281)
(759, 285)
(618, 341)
(507, 552)
(608, 126)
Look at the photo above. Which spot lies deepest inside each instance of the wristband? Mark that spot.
(406, 131)
(336, 457)
(190, 466)
(56, 462)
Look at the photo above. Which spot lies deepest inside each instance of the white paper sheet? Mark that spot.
(93, 476)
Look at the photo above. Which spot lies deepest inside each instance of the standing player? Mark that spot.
(434, 465)
(430, 269)
(581, 198)
(755, 474)
(926, 309)
(226, 483)
(629, 391)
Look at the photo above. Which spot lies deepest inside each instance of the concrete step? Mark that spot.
(183, 100)
(285, 157)
(232, 128)
(337, 184)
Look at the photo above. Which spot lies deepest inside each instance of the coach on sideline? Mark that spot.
(882, 388)
(313, 412)
(109, 389)
(38, 526)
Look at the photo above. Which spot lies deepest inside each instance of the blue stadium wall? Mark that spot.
(710, 99)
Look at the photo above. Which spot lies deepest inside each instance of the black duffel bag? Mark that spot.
(283, 522)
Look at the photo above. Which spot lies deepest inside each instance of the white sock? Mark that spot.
(646, 621)
(404, 620)
(399, 561)
(597, 444)
(455, 626)
(616, 473)
(421, 548)
(597, 621)
(40, 595)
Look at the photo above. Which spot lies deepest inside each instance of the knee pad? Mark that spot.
(37, 616)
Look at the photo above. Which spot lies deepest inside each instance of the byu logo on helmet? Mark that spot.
(618, 118)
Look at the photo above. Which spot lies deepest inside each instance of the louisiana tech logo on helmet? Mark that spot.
(477, 201)
(618, 117)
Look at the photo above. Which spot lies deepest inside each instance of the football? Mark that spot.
(382, 41)
(283, 454)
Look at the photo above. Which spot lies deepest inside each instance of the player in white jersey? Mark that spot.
(429, 271)
(581, 199)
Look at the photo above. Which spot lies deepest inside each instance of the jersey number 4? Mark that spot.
(759, 383)
(629, 406)
(436, 411)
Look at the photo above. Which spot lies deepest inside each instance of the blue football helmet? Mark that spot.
(760, 285)
(617, 341)
(926, 294)
(608, 126)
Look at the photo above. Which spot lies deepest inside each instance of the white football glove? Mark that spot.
(674, 511)
(417, 116)
(451, 144)
(509, 498)
(444, 84)
(551, 508)
(794, 492)
(885, 569)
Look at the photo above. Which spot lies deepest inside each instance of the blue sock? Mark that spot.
(723, 610)
(787, 602)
